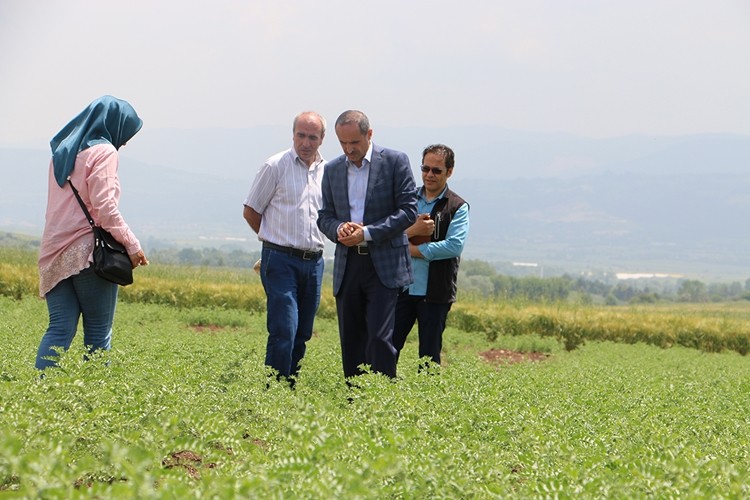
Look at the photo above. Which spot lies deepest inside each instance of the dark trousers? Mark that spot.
(430, 318)
(366, 313)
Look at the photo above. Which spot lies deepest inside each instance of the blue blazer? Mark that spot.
(390, 208)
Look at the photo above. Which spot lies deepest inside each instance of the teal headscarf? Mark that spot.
(107, 119)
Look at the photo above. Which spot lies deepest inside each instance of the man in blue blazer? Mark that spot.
(369, 200)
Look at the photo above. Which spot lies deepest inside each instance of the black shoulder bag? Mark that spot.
(111, 260)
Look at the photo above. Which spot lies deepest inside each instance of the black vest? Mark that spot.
(443, 275)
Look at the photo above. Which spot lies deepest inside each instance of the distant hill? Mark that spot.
(677, 224)
(481, 152)
(637, 203)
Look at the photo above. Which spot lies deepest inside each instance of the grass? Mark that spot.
(179, 408)
(632, 402)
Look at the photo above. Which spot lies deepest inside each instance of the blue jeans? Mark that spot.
(82, 294)
(292, 286)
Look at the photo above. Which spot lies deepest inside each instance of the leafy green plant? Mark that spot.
(181, 408)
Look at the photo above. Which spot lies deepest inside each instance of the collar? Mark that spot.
(421, 194)
(367, 158)
(318, 159)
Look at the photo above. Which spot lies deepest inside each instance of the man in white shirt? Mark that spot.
(282, 208)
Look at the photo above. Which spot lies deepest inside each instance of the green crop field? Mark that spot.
(621, 402)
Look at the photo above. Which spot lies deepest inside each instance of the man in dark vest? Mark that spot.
(436, 241)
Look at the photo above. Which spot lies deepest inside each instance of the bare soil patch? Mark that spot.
(206, 328)
(506, 357)
(188, 460)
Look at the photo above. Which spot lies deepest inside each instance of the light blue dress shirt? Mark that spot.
(357, 178)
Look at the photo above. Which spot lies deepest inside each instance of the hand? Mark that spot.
(422, 229)
(138, 259)
(351, 233)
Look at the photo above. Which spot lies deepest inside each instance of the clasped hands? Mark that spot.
(351, 234)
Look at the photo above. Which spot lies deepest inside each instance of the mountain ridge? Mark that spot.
(672, 204)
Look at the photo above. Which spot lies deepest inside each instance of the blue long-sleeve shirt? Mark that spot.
(450, 247)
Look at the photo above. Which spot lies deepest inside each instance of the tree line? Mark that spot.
(481, 279)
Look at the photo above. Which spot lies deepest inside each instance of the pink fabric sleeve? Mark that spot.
(104, 195)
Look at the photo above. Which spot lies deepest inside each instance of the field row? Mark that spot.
(713, 327)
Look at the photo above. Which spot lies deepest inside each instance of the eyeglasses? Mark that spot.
(434, 170)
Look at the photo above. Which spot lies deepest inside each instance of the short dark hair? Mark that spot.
(443, 151)
(354, 116)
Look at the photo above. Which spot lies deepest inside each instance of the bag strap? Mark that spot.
(83, 206)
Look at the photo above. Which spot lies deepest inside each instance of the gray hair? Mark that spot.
(316, 115)
(354, 116)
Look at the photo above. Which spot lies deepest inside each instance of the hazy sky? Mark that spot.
(589, 67)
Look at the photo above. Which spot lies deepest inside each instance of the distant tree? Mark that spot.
(692, 291)
(240, 258)
(594, 287)
(531, 288)
(645, 298)
(473, 267)
(502, 286)
(480, 286)
(735, 289)
(624, 292)
(190, 256)
(723, 291)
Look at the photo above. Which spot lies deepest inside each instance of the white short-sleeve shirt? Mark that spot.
(287, 193)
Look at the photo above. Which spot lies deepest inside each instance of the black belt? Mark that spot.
(302, 254)
(360, 250)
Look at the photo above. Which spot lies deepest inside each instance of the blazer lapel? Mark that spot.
(342, 189)
(374, 175)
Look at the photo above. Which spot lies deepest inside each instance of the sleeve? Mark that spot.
(104, 195)
(263, 188)
(455, 238)
(327, 221)
(404, 203)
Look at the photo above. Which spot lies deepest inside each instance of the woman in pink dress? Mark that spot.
(84, 151)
